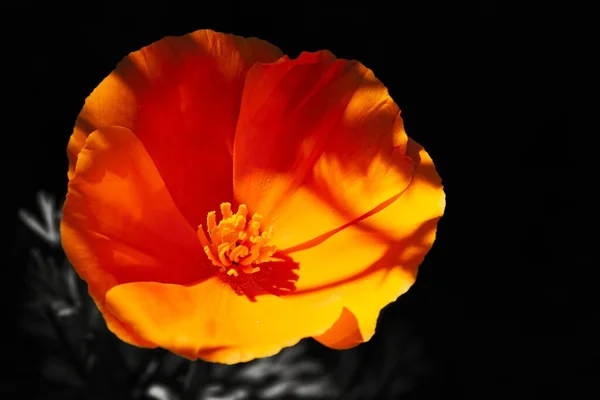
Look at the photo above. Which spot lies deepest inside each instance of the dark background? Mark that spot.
(501, 308)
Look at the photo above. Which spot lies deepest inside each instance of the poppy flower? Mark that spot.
(226, 201)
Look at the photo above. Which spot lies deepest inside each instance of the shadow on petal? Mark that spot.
(367, 293)
(275, 278)
(401, 252)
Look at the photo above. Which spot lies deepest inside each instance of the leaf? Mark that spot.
(49, 227)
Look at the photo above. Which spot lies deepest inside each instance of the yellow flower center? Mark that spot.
(235, 243)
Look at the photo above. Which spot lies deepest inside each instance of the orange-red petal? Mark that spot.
(181, 97)
(120, 223)
(210, 321)
(321, 151)
(318, 143)
(408, 226)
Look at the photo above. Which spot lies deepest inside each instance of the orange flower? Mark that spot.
(325, 207)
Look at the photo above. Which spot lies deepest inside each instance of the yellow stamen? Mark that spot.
(236, 244)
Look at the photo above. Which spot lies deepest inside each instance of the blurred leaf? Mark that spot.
(135, 358)
(48, 228)
(160, 392)
(56, 369)
(291, 374)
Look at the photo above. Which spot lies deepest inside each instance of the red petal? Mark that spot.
(181, 97)
(120, 223)
(319, 142)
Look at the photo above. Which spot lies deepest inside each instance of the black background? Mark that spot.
(500, 304)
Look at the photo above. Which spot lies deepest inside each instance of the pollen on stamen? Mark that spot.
(235, 244)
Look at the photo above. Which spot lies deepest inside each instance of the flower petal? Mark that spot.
(319, 142)
(409, 226)
(181, 97)
(210, 321)
(120, 223)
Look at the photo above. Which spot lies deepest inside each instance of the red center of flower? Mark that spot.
(235, 243)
